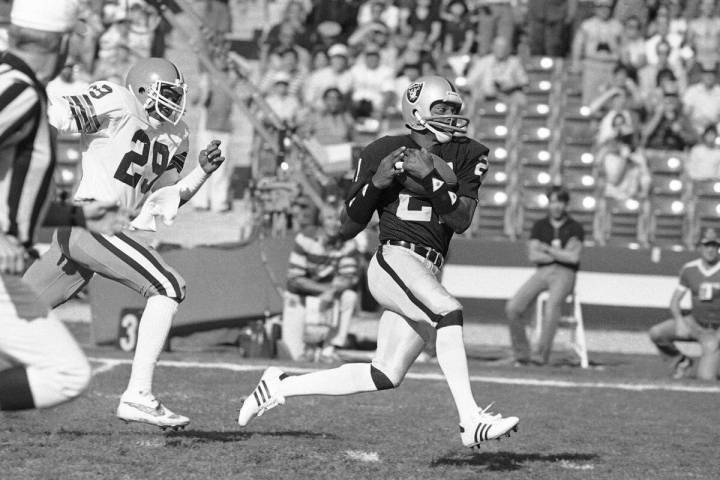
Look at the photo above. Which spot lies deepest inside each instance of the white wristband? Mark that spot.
(191, 183)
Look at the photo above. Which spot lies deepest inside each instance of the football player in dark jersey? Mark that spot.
(421, 204)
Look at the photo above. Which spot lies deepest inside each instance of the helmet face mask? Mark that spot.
(160, 87)
(426, 103)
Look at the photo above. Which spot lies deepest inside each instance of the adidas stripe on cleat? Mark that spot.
(266, 396)
(487, 426)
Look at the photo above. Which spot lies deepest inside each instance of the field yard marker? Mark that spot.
(363, 456)
(528, 382)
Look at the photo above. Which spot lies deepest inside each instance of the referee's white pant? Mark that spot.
(32, 337)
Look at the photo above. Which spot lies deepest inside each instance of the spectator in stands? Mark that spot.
(423, 21)
(332, 123)
(342, 12)
(624, 168)
(498, 75)
(596, 49)
(704, 34)
(272, 50)
(335, 75)
(215, 123)
(320, 298)
(621, 78)
(115, 70)
(639, 10)
(65, 83)
(663, 34)
(319, 59)
(555, 246)
(701, 278)
(384, 11)
(458, 29)
(548, 23)
(649, 77)
(118, 33)
(666, 84)
(702, 100)
(277, 194)
(285, 105)
(289, 64)
(292, 20)
(143, 22)
(372, 85)
(376, 34)
(632, 44)
(704, 159)
(668, 128)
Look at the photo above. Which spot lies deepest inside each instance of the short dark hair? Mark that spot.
(710, 128)
(559, 192)
(33, 40)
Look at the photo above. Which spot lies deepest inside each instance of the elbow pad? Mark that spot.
(361, 207)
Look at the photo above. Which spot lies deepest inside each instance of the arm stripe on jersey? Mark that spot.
(177, 162)
(393, 274)
(84, 113)
(154, 261)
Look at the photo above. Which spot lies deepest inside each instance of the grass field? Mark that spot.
(620, 420)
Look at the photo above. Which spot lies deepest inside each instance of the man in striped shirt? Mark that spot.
(320, 298)
(47, 367)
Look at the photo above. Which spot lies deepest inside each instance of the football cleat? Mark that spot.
(147, 409)
(683, 368)
(487, 426)
(265, 396)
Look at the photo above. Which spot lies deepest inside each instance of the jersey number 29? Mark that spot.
(160, 154)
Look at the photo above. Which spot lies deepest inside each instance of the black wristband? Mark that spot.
(361, 207)
(443, 201)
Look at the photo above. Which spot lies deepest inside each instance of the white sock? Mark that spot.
(343, 380)
(453, 363)
(152, 334)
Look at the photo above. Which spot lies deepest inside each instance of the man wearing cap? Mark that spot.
(701, 278)
(47, 367)
(334, 75)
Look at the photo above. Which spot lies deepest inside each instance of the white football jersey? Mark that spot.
(124, 151)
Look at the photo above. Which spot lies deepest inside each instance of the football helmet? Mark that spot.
(160, 86)
(418, 100)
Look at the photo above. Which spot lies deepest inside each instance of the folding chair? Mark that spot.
(571, 320)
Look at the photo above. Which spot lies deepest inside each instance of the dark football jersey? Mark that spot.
(407, 216)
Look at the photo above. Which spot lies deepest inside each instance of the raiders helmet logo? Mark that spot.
(413, 92)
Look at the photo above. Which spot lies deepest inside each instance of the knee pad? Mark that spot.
(381, 381)
(453, 318)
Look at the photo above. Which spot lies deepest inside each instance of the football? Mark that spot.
(444, 169)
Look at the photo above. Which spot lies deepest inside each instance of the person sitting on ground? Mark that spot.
(321, 297)
(700, 278)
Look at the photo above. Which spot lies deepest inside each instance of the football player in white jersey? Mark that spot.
(134, 142)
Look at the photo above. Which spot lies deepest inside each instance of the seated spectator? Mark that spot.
(332, 123)
(118, 33)
(271, 52)
(624, 10)
(621, 78)
(321, 297)
(596, 49)
(704, 34)
(498, 75)
(666, 84)
(115, 69)
(342, 12)
(285, 105)
(648, 76)
(335, 75)
(623, 167)
(276, 194)
(293, 19)
(424, 18)
(669, 128)
(378, 35)
(699, 278)
(380, 11)
(65, 83)
(664, 35)
(612, 102)
(372, 85)
(288, 65)
(704, 159)
(702, 101)
(319, 59)
(458, 29)
(143, 22)
(632, 44)
(548, 24)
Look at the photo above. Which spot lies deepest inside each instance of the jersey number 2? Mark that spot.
(406, 212)
(160, 159)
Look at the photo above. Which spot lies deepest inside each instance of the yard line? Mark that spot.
(363, 456)
(530, 382)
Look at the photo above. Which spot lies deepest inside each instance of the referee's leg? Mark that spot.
(47, 365)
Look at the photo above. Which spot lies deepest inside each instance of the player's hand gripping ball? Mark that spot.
(410, 178)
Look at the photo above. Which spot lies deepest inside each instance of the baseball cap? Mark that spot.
(709, 236)
(57, 16)
(338, 50)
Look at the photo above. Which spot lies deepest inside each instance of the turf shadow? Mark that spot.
(507, 461)
(238, 436)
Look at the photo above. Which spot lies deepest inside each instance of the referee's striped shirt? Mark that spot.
(27, 150)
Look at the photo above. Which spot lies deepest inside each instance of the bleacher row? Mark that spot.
(550, 140)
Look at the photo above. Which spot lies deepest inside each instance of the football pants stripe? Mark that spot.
(164, 275)
(396, 278)
(105, 242)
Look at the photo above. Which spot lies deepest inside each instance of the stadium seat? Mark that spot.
(577, 156)
(582, 207)
(668, 222)
(536, 153)
(705, 213)
(538, 64)
(665, 163)
(536, 111)
(533, 207)
(534, 130)
(491, 120)
(571, 321)
(624, 222)
(579, 131)
(579, 180)
(492, 212)
(539, 90)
